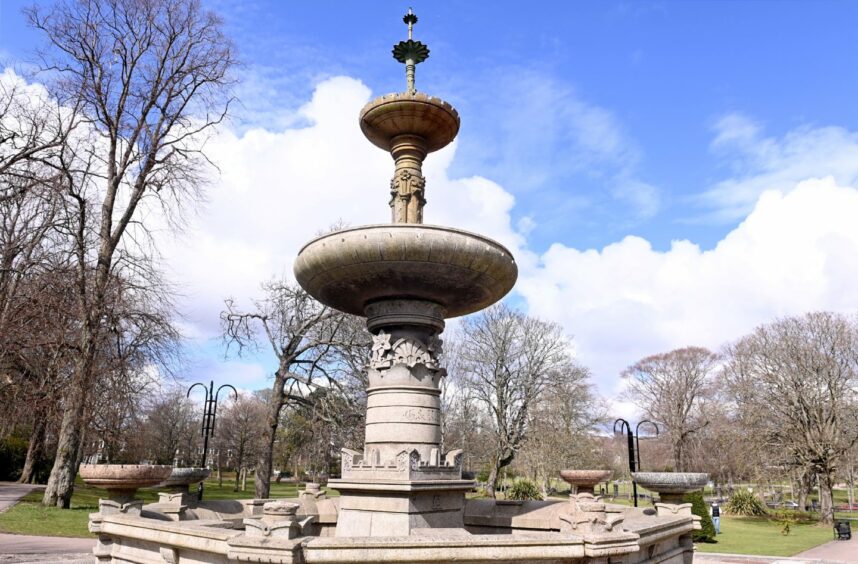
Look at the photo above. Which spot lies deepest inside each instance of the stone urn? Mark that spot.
(585, 481)
(671, 487)
(123, 480)
(180, 479)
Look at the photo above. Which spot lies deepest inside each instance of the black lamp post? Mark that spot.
(633, 446)
(209, 414)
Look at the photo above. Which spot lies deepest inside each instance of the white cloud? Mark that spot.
(796, 251)
(536, 133)
(278, 188)
(762, 163)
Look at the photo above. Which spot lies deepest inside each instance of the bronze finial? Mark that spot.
(410, 52)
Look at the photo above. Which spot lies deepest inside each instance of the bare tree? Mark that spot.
(241, 431)
(33, 128)
(308, 340)
(670, 388)
(794, 381)
(508, 361)
(561, 425)
(149, 78)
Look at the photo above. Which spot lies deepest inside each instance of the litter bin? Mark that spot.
(842, 530)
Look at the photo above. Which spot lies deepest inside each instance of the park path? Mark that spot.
(26, 548)
(842, 551)
(11, 492)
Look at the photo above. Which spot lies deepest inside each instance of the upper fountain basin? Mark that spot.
(461, 271)
(405, 113)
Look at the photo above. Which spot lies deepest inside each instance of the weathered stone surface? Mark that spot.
(462, 272)
(181, 478)
(122, 480)
(671, 486)
(585, 480)
(403, 113)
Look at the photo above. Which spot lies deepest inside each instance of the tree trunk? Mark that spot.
(826, 498)
(678, 454)
(492, 482)
(265, 464)
(61, 482)
(34, 451)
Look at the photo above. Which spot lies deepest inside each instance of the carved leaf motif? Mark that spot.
(380, 348)
(411, 353)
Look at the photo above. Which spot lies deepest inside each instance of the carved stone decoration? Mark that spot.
(407, 189)
(454, 458)
(402, 461)
(414, 459)
(587, 514)
(406, 351)
(348, 459)
(380, 348)
(436, 347)
(411, 352)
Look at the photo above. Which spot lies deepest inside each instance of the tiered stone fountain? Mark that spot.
(401, 498)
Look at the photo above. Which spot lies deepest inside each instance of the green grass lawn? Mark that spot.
(30, 517)
(745, 535)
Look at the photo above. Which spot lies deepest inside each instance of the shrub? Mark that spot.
(787, 518)
(13, 452)
(523, 490)
(745, 503)
(698, 507)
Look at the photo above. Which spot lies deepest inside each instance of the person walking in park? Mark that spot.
(716, 517)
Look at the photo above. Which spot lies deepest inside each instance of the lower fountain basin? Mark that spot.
(349, 269)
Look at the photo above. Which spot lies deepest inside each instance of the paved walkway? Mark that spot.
(26, 548)
(11, 492)
(842, 551)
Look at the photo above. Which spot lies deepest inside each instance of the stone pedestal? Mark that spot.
(402, 482)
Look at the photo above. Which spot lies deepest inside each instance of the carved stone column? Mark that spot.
(407, 188)
(402, 454)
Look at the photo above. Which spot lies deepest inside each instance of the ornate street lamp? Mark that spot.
(209, 414)
(633, 440)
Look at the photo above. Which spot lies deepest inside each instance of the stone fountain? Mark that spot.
(402, 499)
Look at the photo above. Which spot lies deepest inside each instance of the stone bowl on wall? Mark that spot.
(585, 481)
(671, 486)
(123, 480)
(181, 478)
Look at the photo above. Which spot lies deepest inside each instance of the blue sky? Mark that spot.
(597, 121)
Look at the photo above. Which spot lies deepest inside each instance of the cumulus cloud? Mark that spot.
(277, 188)
(796, 251)
(759, 163)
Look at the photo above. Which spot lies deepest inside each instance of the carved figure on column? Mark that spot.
(407, 189)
